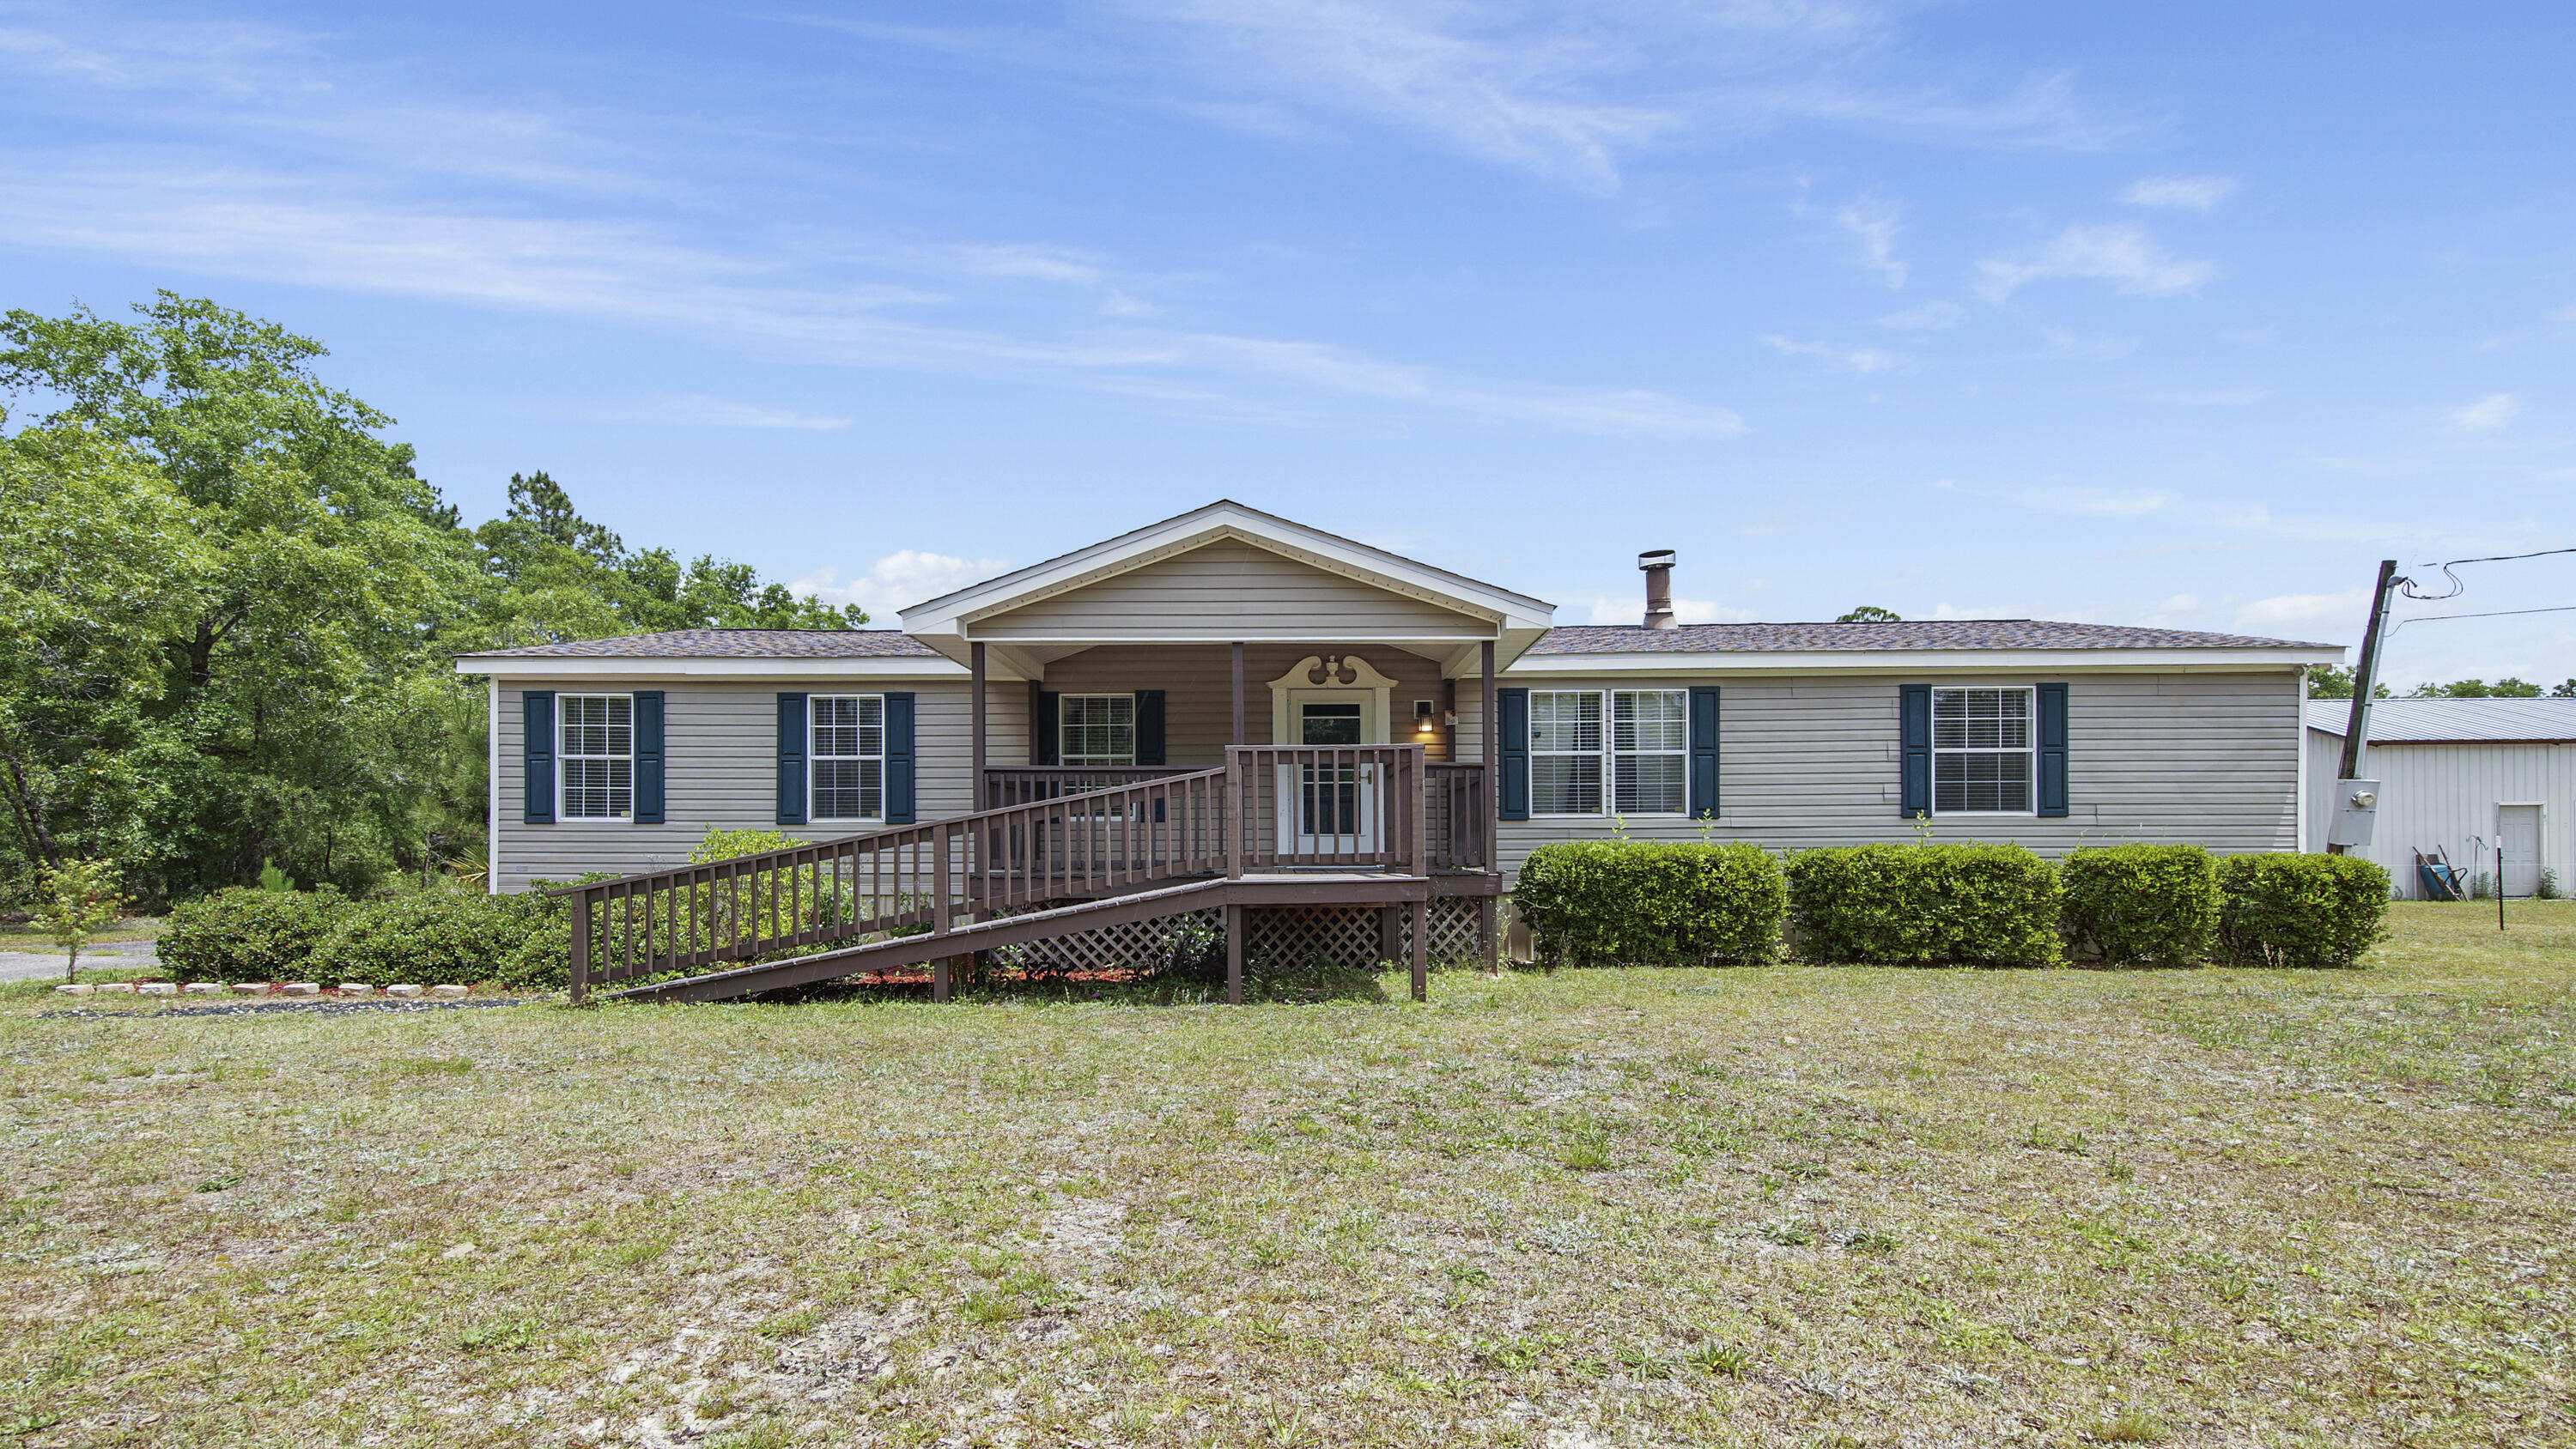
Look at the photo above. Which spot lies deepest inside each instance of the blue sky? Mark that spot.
(2180, 314)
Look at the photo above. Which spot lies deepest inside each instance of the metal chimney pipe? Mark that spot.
(1658, 567)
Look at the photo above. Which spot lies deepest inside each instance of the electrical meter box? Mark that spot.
(2356, 812)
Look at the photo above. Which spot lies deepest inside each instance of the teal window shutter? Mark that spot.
(1149, 727)
(648, 756)
(1050, 738)
(2052, 751)
(899, 759)
(791, 759)
(1703, 752)
(1512, 792)
(1914, 749)
(537, 757)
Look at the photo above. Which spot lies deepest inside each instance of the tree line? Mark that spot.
(2327, 681)
(232, 605)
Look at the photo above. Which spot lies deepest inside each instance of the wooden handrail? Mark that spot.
(902, 878)
(1366, 807)
(1358, 806)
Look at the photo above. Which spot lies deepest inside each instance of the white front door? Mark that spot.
(1328, 809)
(2518, 828)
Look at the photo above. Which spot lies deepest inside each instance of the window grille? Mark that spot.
(1096, 730)
(1981, 754)
(847, 759)
(596, 747)
(1636, 741)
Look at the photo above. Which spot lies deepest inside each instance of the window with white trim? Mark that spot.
(1650, 751)
(1981, 751)
(1636, 742)
(1096, 729)
(845, 765)
(595, 755)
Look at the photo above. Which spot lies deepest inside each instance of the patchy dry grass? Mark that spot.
(1779, 1206)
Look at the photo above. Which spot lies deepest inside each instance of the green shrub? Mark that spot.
(2127, 905)
(2300, 910)
(244, 933)
(1925, 905)
(1633, 903)
(434, 938)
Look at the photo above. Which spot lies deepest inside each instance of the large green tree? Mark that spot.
(300, 656)
(550, 574)
(233, 600)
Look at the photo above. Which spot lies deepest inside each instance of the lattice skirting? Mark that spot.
(1131, 947)
(1347, 935)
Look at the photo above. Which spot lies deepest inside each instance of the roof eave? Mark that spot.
(1989, 661)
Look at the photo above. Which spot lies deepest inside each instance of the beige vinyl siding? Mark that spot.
(1198, 692)
(720, 744)
(1234, 591)
(2205, 758)
(2445, 794)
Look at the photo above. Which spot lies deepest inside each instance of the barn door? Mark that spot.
(2518, 827)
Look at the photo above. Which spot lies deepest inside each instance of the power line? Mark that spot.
(2501, 557)
(2490, 614)
(2407, 586)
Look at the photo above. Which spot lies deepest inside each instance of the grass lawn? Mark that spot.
(1805, 1206)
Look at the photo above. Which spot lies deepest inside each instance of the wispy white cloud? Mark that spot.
(2213, 397)
(716, 412)
(2120, 253)
(2182, 193)
(1610, 609)
(898, 581)
(1566, 93)
(347, 211)
(1860, 361)
(2062, 344)
(1874, 223)
(1928, 317)
(2343, 608)
(2074, 502)
(2487, 414)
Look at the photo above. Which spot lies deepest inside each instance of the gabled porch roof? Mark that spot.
(1360, 594)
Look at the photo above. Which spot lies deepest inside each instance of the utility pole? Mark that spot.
(2365, 682)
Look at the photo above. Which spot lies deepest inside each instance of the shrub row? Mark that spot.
(1622, 903)
(1602, 903)
(523, 942)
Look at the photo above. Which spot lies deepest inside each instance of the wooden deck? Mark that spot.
(1278, 826)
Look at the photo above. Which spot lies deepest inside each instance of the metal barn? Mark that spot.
(2465, 776)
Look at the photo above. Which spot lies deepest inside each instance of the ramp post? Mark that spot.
(1489, 940)
(939, 979)
(1234, 955)
(1421, 950)
(1388, 933)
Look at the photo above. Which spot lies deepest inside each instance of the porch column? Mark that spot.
(1238, 692)
(1234, 955)
(1421, 953)
(975, 691)
(1492, 762)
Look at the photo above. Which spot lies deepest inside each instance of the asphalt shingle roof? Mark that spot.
(732, 644)
(2433, 721)
(1909, 634)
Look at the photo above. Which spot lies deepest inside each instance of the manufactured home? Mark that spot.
(1318, 745)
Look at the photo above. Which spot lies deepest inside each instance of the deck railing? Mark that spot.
(1459, 820)
(1354, 806)
(1020, 784)
(899, 880)
(1365, 807)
